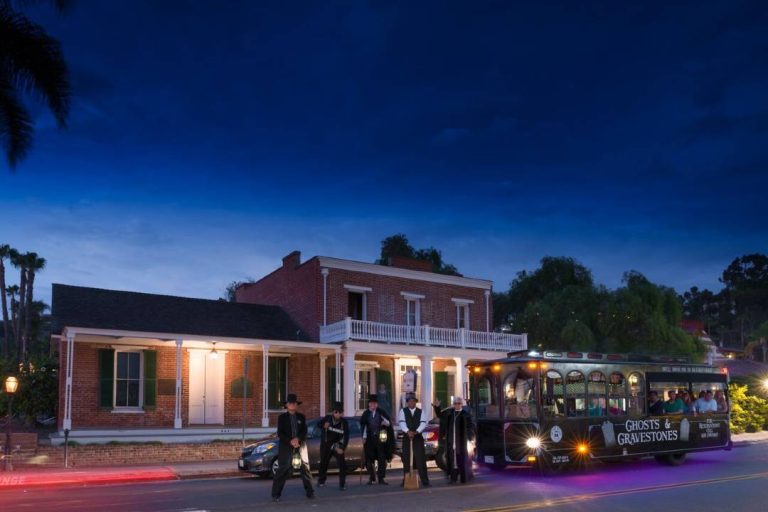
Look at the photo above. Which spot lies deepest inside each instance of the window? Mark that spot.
(636, 394)
(617, 394)
(596, 391)
(356, 306)
(278, 381)
(127, 378)
(518, 395)
(462, 316)
(553, 392)
(575, 391)
(412, 312)
(487, 406)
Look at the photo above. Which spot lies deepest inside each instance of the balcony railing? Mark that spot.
(422, 335)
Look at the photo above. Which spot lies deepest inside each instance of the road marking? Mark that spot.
(566, 500)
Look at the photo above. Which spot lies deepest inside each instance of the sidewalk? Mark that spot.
(180, 471)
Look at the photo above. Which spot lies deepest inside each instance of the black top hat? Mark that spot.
(410, 396)
(373, 398)
(338, 406)
(291, 398)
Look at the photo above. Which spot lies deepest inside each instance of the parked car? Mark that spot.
(431, 435)
(260, 458)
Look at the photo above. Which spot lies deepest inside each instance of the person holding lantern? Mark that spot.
(292, 448)
(334, 442)
(378, 439)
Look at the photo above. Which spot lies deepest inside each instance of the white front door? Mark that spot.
(206, 388)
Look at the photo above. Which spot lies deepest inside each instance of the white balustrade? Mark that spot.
(425, 335)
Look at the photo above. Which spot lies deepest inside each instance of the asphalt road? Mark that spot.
(735, 481)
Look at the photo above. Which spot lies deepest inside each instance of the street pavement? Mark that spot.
(81, 476)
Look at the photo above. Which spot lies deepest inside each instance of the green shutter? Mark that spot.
(441, 388)
(106, 376)
(150, 378)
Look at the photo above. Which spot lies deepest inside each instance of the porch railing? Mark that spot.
(423, 335)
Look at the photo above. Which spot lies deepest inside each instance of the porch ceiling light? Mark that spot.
(214, 354)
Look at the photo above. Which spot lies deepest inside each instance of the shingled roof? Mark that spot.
(77, 306)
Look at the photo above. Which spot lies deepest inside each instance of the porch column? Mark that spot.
(426, 386)
(322, 384)
(349, 382)
(177, 409)
(265, 385)
(487, 311)
(67, 423)
(461, 377)
(337, 395)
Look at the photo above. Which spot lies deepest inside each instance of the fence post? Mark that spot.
(463, 339)
(348, 327)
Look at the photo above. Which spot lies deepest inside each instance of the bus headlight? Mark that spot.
(533, 443)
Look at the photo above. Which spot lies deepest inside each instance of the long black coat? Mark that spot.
(364, 424)
(465, 431)
(284, 429)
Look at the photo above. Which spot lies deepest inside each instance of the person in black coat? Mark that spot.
(292, 436)
(378, 451)
(456, 428)
(334, 442)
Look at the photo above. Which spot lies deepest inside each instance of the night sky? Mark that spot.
(209, 139)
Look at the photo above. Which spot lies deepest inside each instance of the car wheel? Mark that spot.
(674, 459)
(274, 467)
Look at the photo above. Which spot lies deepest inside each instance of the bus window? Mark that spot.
(553, 393)
(718, 389)
(596, 393)
(636, 394)
(664, 389)
(486, 399)
(518, 395)
(575, 394)
(617, 394)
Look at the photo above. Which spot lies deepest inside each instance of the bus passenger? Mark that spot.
(655, 406)
(706, 404)
(674, 405)
(722, 403)
(687, 401)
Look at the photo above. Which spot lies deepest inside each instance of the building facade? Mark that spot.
(143, 366)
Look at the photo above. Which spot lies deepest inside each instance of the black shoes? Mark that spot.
(275, 498)
(310, 495)
(382, 482)
(371, 482)
(322, 484)
(342, 487)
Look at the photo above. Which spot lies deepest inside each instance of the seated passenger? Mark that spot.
(655, 406)
(706, 404)
(596, 408)
(674, 405)
(687, 403)
(722, 403)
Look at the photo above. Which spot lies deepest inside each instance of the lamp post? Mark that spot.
(11, 385)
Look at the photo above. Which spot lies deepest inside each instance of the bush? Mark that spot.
(748, 413)
(38, 392)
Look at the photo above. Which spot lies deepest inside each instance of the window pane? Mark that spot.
(122, 365)
(575, 388)
(121, 393)
(134, 365)
(277, 381)
(133, 393)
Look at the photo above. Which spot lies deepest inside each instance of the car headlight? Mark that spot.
(265, 447)
(533, 442)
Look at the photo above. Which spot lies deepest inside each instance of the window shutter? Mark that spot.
(106, 376)
(150, 378)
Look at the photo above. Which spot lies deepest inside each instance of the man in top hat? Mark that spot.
(292, 436)
(412, 423)
(334, 442)
(375, 444)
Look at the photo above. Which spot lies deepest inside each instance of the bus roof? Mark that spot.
(592, 357)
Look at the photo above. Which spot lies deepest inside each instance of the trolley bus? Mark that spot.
(555, 409)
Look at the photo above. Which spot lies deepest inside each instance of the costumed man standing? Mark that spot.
(377, 447)
(456, 428)
(412, 423)
(334, 442)
(292, 437)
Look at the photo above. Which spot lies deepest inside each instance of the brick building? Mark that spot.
(145, 366)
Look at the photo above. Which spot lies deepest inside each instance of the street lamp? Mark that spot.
(11, 385)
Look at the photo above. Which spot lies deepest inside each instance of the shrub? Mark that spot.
(748, 413)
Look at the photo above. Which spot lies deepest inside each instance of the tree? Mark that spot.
(32, 63)
(398, 245)
(5, 251)
(33, 265)
(230, 292)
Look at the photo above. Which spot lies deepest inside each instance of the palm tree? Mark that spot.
(12, 292)
(4, 253)
(31, 62)
(33, 265)
(19, 261)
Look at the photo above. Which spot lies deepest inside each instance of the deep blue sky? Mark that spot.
(209, 139)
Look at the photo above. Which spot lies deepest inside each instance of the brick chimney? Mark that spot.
(410, 263)
(292, 261)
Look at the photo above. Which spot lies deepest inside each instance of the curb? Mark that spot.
(23, 480)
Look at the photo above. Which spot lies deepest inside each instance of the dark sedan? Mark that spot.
(431, 434)
(261, 457)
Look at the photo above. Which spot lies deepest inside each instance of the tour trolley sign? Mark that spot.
(641, 434)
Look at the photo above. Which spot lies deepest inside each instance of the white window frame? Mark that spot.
(462, 312)
(412, 301)
(362, 290)
(140, 406)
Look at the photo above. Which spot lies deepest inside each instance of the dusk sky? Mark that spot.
(209, 139)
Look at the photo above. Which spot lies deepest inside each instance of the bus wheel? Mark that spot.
(674, 459)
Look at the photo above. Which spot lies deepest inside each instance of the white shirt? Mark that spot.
(404, 427)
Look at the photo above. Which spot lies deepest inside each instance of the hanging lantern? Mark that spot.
(383, 435)
(296, 459)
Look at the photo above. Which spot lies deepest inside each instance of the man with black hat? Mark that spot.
(334, 442)
(292, 436)
(412, 423)
(377, 434)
